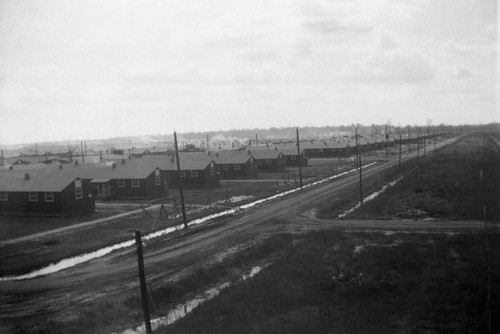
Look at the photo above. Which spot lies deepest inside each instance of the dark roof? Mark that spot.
(325, 144)
(291, 151)
(266, 154)
(41, 180)
(230, 157)
(314, 144)
(188, 161)
(131, 169)
(29, 159)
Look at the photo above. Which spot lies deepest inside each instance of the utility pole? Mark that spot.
(434, 139)
(83, 156)
(409, 139)
(180, 182)
(358, 163)
(357, 150)
(399, 150)
(488, 273)
(425, 142)
(142, 280)
(256, 140)
(418, 144)
(299, 158)
(360, 181)
(386, 138)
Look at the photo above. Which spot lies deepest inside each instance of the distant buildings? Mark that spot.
(67, 184)
(235, 164)
(269, 160)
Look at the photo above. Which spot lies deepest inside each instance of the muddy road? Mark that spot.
(172, 255)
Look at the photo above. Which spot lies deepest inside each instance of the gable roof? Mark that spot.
(131, 169)
(230, 157)
(304, 145)
(188, 161)
(327, 144)
(291, 151)
(266, 154)
(41, 180)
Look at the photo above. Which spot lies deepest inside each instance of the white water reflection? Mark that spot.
(182, 310)
(235, 199)
(71, 262)
(369, 198)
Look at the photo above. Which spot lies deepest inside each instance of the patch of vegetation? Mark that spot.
(350, 198)
(396, 284)
(446, 184)
(123, 312)
(321, 282)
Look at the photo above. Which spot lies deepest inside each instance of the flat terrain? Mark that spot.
(101, 296)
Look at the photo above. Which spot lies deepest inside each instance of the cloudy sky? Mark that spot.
(95, 69)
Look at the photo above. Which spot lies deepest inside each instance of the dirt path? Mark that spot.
(75, 227)
(171, 255)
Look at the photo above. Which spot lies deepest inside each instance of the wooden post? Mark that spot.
(142, 280)
(418, 144)
(386, 147)
(360, 182)
(399, 150)
(163, 212)
(409, 139)
(299, 158)
(83, 156)
(180, 182)
(425, 142)
(488, 273)
(357, 150)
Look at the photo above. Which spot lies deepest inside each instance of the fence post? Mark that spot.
(142, 280)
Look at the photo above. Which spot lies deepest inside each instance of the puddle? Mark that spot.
(71, 262)
(182, 310)
(68, 263)
(358, 249)
(369, 198)
(236, 199)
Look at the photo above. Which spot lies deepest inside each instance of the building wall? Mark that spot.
(64, 204)
(146, 189)
(204, 178)
(275, 165)
(18, 203)
(245, 171)
(291, 160)
(326, 152)
(71, 205)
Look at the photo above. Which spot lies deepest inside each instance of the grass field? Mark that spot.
(325, 282)
(345, 282)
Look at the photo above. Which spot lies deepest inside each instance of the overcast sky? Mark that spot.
(96, 69)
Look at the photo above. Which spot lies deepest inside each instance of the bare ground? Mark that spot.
(64, 294)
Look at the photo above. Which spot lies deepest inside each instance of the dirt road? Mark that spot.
(169, 256)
